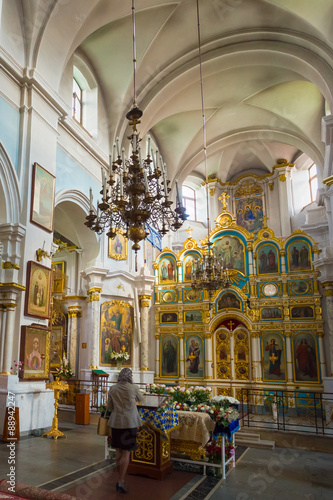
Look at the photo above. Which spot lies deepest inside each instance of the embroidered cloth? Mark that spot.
(193, 426)
(163, 422)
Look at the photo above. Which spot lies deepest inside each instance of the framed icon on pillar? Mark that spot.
(35, 353)
(38, 291)
(42, 198)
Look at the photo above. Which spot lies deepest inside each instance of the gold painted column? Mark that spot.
(94, 317)
(144, 321)
(74, 312)
(208, 356)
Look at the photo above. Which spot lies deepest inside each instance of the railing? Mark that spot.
(302, 411)
(98, 390)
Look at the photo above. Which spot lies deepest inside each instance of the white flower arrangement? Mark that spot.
(225, 399)
(120, 356)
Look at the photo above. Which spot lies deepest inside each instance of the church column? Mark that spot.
(157, 354)
(93, 326)
(284, 186)
(9, 338)
(289, 358)
(249, 249)
(2, 333)
(328, 298)
(74, 312)
(283, 261)
(322, 367)
(208, 356)
(144, 322)
(181, 355)
(256, 357)
(232, 354)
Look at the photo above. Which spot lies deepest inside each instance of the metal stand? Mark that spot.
(57, 386)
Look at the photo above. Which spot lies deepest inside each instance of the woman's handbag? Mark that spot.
(103, 429)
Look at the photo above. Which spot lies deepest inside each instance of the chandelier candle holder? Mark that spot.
(135, 196)
(210, 275)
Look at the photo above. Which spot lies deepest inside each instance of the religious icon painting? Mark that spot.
(305, 358)
(116, 331)
(228, 300)
(56, 347)
(271, 313)
(169, 356)
(168, 317)
(38, 293)
(249, 209)
(194, 357)
(300, 287)
(35, 353)
(302, 312)
(190, 264)
(118, 246)
(273, 358)
(230, 251)
(299, 256)
(268, 259)
(191, 295)
(167, 269)
(192, 317)
(168, 296)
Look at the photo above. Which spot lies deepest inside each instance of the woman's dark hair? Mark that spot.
(125, 375)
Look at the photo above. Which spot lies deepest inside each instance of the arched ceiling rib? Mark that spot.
(267, 67)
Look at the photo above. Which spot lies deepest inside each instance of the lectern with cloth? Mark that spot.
(152, 457)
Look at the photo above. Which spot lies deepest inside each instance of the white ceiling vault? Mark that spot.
(267, 71)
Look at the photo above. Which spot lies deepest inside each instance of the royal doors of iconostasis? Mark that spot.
(232, 356)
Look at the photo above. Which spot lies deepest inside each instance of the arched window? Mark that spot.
(313, 181)
(189, 202)
(77, 101)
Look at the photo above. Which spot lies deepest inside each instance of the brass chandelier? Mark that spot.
(136, 193)
(210, 275)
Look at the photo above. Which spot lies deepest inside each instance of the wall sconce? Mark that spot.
(42, 253)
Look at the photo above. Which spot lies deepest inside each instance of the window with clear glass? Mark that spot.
(189, 202)
(77, 101)
(313, 180)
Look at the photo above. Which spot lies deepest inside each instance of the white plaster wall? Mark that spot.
(35, 403)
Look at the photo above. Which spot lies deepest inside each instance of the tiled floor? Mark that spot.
(76, 465)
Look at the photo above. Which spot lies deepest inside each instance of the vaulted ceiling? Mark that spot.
(267, 75)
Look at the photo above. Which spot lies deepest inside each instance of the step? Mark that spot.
(253, 443)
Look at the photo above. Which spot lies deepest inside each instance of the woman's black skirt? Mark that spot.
(125, 439)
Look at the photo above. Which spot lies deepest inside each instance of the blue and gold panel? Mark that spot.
(169, 317)
(192, 317)
(305, 358)
(190, 264)
(167, 270)
(268, 260)
(169, 355)
(191, 295)
(300, 287)
(273, 355)
(269, 289)
(308, 400)
(271, 313)
(168, 296)
(249, 210)
(194, 356)
(302, 312)
(228, 300)
(299, 256)
(230, 251)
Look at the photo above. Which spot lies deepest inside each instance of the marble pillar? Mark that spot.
(181, 356)
(94, 315)
(289, 359)
(256, 363)
(74, 312)
(157, 354)
(144, 322)
(208, 356)
(9, 339)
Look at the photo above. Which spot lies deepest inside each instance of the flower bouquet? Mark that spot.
(65, 370)
(120, 357)
(17, 368)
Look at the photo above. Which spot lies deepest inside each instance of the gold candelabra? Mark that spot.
(56, 386)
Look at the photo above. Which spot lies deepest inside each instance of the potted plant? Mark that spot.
(120, 357)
